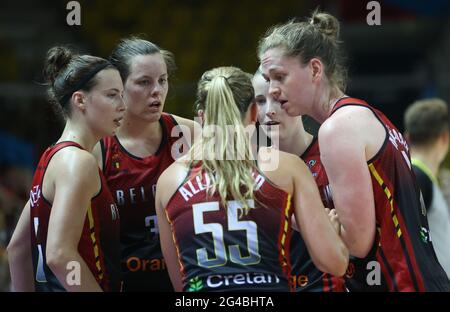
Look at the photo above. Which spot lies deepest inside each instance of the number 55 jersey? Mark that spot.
(225, 249)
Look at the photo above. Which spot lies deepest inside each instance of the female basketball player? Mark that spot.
(365, 157)
(146, 143)
(292, 138)
(71, 216)
(225, 221)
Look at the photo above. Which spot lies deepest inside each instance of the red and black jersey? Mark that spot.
(222, 248)
(402, 249)
(312, 159)
(305, 275)
(132, 181)
(99, 241)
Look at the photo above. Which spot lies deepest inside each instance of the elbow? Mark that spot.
(15, 246)
(359, 241)
(57, 258)
(360, 251)
(360, 248)
(53, 259)
(11, 248)
(12, 253)
(341, 263)
(335, 264)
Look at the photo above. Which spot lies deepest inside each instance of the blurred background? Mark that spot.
(405, 58)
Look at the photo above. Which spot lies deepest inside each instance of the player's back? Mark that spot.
(225, 249)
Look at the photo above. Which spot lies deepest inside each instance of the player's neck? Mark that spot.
(139, 129)
(78, 134)
(329, 96)
(296, 144)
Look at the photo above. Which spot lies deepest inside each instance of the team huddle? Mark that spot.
(143, 200)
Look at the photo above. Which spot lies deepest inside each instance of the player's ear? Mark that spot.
(316, 68)
(79, 100)
(253, 112)
(251, 115)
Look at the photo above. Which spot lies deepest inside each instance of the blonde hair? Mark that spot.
(317, 37)
(225, 94)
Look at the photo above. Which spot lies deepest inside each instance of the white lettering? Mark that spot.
(374, 276)
(143, 193)
(195, 302)
(374, 17)
(201, 187)
(73, 278)
(260, 279)
(114, 212)
(132, 196)
(120, 197)
(185, 193)
(239, 279)
(74, 16)
(215, 281)
(192, 187)
(211, 284)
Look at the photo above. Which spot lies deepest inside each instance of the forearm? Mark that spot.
(19, 254)
(356, 214)
(356, 242)
(327, 249)
(74, 278)
(21, 268)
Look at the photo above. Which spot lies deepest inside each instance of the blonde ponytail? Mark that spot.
(225, 93)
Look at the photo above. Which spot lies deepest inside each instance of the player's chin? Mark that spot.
(113, 129)
(153, 116)
(293, 111)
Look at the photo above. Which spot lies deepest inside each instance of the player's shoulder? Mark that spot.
(171, 179)
(75, 166)
(175, 172)
(349, 115)
(281, 159)
(75, 161)
(349, 120)
(280, 167)
(75, 156)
